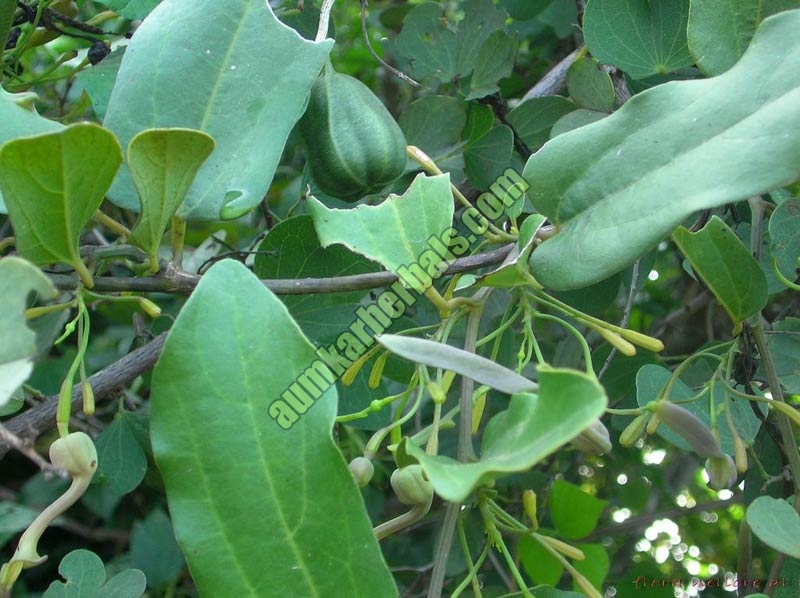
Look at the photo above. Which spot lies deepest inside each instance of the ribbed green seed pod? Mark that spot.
(353, 145)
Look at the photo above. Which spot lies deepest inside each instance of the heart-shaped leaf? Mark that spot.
(236, 52)
(242, 490)
(617, 187)
(533, 426)
(52, 185)
(163, 164)
(776, 524)
(719, 31)
(640, 37)
(396, 232)
(86, 576)
(726, 266)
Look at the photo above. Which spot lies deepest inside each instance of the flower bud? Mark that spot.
(362, 470)
(740, 453)
(594, 440)
(75, 453)
(634, 430)
(529, 504)
(721, 472)
(411, 486)
(150, 308)
(568, 550)
(689, 427)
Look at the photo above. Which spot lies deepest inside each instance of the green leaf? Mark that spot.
(292, 250)
(487, 158)
(155, 551)
(617, 187)
(524, 10)
(514, 270)
(595, 566)
(20, 120)
(121, 461)
(495, 61)
(726, 266)
(575, 513)
(433, 123)
(784, 344)
(163, 163)
(98, 80)
(86, 576)
(396, 232)
(784, 234)
(439, 355)
(18, 348)
(589, 86)
(533, 119)
(236, 51)
(130, 9)
(242, 490)
(776, 524)
(575, 120)
(516, 439)
(640, 37)
(447, 53)
(719, 32)
(540, 565)
(7, 10)
(53, 184)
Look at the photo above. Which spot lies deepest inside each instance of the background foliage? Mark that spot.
(661, 143)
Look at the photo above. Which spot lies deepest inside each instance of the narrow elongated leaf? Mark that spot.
(439, 355)
(53, 184)
(225, 67)
(396, 232)
(617, 187)
(163, 164)
(640, 37)
(258, 510)
(776, 524)
(531, 428)
(726, 266)
(719, 31)
(18, 348)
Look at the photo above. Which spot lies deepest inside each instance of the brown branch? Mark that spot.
(32, 423)
(35, 421)
(173, 280)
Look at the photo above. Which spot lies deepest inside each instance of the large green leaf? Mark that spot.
(19, 120)
(396, 232)
(640, 37)
(719, 31)
(225, 67)
(533, 426)
(18, 348)
(258, 510)
(617, 187)
(53, 184)
(98, 80)
(776, 524)
(726, 266)
(163, 164)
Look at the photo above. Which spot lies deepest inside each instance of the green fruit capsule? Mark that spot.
(353, 145)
